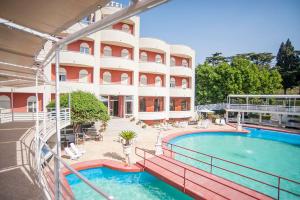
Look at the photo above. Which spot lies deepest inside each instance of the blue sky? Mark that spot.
(227, 26)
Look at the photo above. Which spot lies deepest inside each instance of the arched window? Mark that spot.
(143, 80)
(107, 51)
(84, 48)
(158, 58)
(31, 104)
(184, 63)
(83, 76)
(157, 81)
(173, 61)
(144, 57)
(172, 82)
(106, 77)
(126, 28)
(125, 53)
(4, 102)
(62, 74)
(124, 79)
(184, 83)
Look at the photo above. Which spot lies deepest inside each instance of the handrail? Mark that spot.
(74, 171)
(184, 176)
(279, 178)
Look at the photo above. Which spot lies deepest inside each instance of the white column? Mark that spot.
(58, 144)
(12, 104)
(167, 82)
(136, 58)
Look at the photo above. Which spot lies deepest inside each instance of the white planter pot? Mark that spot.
(127, 149)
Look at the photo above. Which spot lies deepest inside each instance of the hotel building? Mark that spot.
(133, 76)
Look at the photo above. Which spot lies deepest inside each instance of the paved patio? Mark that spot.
(17, 180)
(111, 148)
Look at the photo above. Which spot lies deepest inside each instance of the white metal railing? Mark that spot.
(5, 115)
(266, 108)
(218, 106)
(45, 170)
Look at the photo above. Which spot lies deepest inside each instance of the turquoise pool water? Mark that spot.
(270, 151)
(123, 185)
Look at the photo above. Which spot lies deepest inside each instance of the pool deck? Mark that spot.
(198, 183)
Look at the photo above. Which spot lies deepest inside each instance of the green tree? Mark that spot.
(241, 76)
(85, 108)
(216, 58)
(288, 65)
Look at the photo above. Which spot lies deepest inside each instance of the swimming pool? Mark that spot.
(270, 151)
(123, 185)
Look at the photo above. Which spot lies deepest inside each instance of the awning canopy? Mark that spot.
(48, 16)
(19, 48)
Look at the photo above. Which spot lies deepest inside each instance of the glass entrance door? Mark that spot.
(114, 106)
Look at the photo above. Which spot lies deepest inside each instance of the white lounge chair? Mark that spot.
(71, 154)
(183, 124)
(76, 150)
(204, 124)
(218, 121)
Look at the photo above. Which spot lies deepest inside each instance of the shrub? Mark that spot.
(127, 136)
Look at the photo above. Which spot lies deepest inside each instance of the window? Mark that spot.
(156, 105)
(126, 28)
(125, 53)
(107, 51)
(4, 102)
(172, 104)
(173, 61)
(143, 80)
(184, 84)
(124, 79)
(31, 104)
(83, 76)
(106, 77)
(157, 81)
(158, 58)
(62, 74)
(172, 82)
(128, 105)
(142, 105)
(183, 105)
(84, 48)
(144, 57)
(185, 63)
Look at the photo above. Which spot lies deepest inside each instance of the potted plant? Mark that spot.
(127, 137)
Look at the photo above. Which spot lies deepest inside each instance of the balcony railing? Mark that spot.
(266, 108)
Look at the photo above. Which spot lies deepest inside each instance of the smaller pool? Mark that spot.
(123, 185)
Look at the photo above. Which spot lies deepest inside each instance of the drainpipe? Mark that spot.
(58, 144)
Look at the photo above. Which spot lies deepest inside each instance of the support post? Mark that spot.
(260, 118)
(37, 139)
(57, 110)
(238, 125)
(12, 104)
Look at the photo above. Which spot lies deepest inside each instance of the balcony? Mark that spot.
(118, 63)
(152, 90)
(182, 50)
(117, 37)
(76, 58)
(181, 71)
(153, 44)
(74, 85)
(180, 114)
(153, 67)
(116, 88)
(181, 92)
(152, 115)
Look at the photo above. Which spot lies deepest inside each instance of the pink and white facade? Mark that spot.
(141, 77)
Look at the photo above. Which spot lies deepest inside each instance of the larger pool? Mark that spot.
(270, 151)
(123, 185)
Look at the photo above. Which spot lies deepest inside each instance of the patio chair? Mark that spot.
(183, 124)
(71, 154)
(76, 150)
(203, 124)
